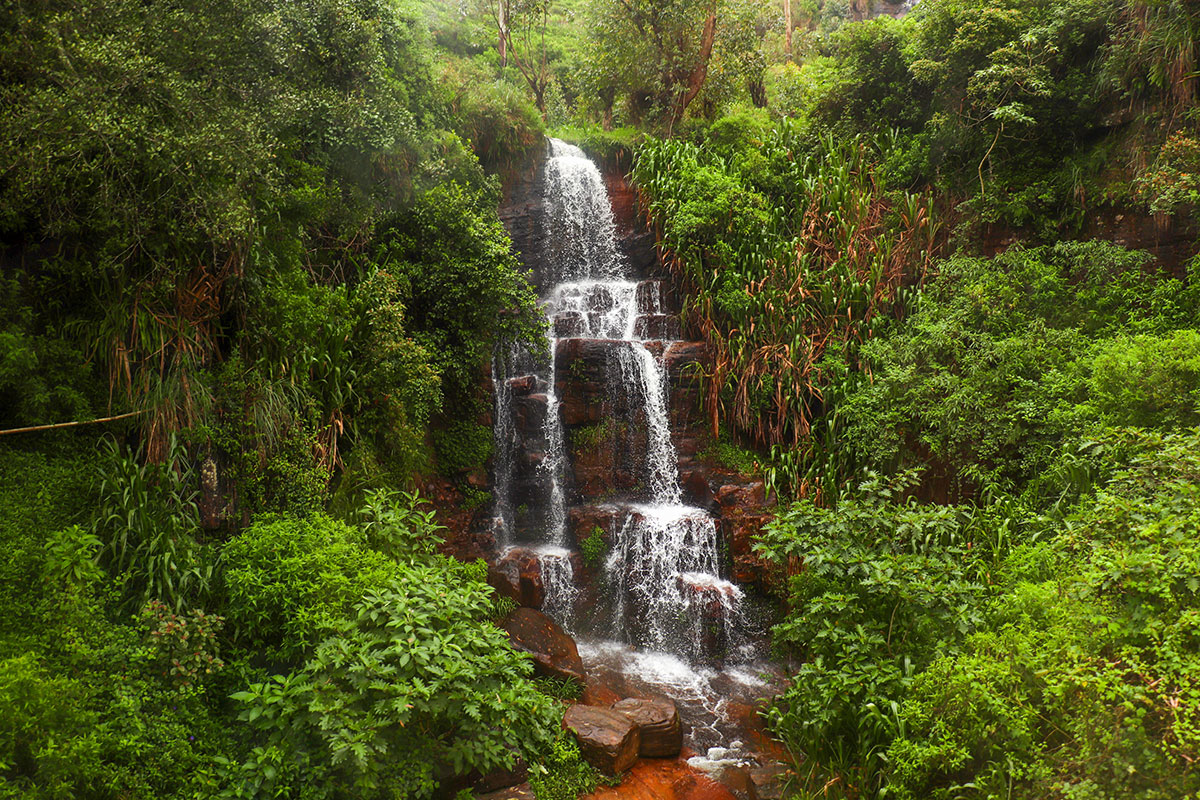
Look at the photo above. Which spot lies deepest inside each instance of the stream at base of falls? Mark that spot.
(656, 615)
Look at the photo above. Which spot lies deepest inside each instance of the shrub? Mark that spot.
(186, 647)
(288, 580)
(462, 446)
(1149, 381)
(395, 525)
(416, 679)
(148, 521)
(563, 775)
(593, 548)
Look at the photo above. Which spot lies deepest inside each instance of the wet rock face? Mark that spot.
(518, 575)
(523, 212)
(554, 652)
(608, 740)
(658, 722)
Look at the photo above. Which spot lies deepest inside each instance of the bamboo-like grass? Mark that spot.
(777, 278)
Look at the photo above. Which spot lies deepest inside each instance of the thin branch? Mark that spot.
(56, 425)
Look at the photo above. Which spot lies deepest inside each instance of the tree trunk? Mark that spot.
(695, 81)
(502, 20)
(787, 21)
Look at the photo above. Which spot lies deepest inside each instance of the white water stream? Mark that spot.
(665, 607)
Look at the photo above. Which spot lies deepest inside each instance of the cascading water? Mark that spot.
(663, 602)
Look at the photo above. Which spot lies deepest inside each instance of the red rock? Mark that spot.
(554, 652)
(522, 385)
(696, 487)
(519, 575)
(608, 740)
(749, 496)
(739, 782)
(656, 326)
(663, 779)
(658, 720)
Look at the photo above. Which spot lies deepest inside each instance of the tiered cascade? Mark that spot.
(659, 587)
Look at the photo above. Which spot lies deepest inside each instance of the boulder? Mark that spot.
(568, 324)
(608, 740)
(769, 780)
(658, 723)
(522, 384)
(738, 781)
(554, 652)
(517, 574)
(501, 778)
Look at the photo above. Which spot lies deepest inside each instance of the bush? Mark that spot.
(288, 580)
(1149, 381)
(563, 775)
(462, 447)
(415, 680)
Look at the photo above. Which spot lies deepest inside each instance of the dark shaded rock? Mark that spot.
(519, 792)
(212, 503)
(740, 530)
(529, 414)
(656, 326)
(517, 574)
(738, 781)
(501, 778)
(696, 488)
(768, 780)
(658, 722)
(554, 652)
(568, 324)
(608, 740)
(679, 356)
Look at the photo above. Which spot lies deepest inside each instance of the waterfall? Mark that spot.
(555, 463)
(503, 435)
(661, 581)
(641, 372)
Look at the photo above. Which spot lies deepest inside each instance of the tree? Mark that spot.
(656, 52)
(521, 31)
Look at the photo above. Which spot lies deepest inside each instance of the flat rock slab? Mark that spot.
(663, 779)
(521, 792)
(658, 720)
(554, 652)
(608, 740)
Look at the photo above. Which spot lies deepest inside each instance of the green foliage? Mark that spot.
(416, 678)
(395, 525)
(185, 645)
(983, 652)
(1085, 686)
(148, 522)
(288, 580)
(450, 256)
(563, 775)
(730, 455)
(792, 256)
(39, 708)
(558, 688)
(1149, 381)
(462, 447)
(1006, 357)
(590, 438)
(593, 548)
(886, 587)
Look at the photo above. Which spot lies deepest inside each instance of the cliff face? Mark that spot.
(523, 212)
